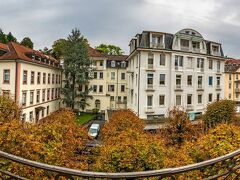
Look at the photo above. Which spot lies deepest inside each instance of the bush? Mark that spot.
(223, 111)
(122, 120)
(8, 109)
(179, 128)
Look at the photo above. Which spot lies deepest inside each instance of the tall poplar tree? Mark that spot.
(77, 70)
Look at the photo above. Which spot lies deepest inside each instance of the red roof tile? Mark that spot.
(94, 53)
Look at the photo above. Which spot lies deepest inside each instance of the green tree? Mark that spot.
(11, 38)
(77, 69)
(58, 48)
(109, 49)
(3, 38)
(27, 42)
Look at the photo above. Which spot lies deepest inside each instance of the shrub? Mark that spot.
(130, 151)
(179, 128)
(222, 111)
(121, 120)
(8, 109)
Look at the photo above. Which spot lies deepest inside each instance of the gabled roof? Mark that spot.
(117, 57)
(3, 46)
(94, 53)
(232, 65)
(18, 51)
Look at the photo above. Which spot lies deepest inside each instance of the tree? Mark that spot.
(109, 49)
(3, 38)
(77, 69)
(8, 109)
(58, 48)
(11, 38)
(27, 42)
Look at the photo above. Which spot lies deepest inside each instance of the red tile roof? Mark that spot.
(94, 53)
(17, 51)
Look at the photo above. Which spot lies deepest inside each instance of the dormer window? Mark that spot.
(215, 48)
(184, 43)
(193, 33)
(113, 64)
(33, 57)
(187, 32)
(195, 45)
(123, 64)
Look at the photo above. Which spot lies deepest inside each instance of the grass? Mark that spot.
(84, 118)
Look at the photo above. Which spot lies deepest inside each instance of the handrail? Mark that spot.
(162, 172)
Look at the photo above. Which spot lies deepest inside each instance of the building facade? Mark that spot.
(167, 70)
(31, 78)
(232, 81)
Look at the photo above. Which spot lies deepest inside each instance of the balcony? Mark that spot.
(149, 109)
(237, 90)
(157, 45)
(227, 166)
(178, 88)
(218, 87)
(216, 53)
(200, 87)
(150, 87)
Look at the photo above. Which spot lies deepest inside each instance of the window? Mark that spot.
(161, 100)
(49, 78)
(199, 81)
(95, 88)
(43, 113)
(38, 77)
(178, 61)
(32, 77)
(162, 79)
(218, 96)
(125, 99)
(31, 97)
(6, 76)
(236, 76)
(210, 65)
(6, 93)
(111, 98)
(86, 88)
(195, 45)
(53, 76)
(52, 93)
(200, 63)
(215, 48)
(210, 97)
(44, 78)
(101, 75)
(56, 79)
(229, 95)
(47, 110)
(199, 98)
(100, 88)
(150, 60)
(162, 60)
(149, 100)
(119, 98)
(189, 99)
(24, 77)
(95, 75)
(122, 76)
(150, 79)
(123, 64)
(24, 98)
(230, 77)
(218, 81)
(230, 85)
(48, 94)
(111, 88)
(178, 80)
(178, 100)
(80, 88)
(122, 88)
(184, 43)
(210, 80)
(56, 93)
(101, 63)
(43, 95)
(190, 62)
(113, 64)
(218, 65)
(112, 75)
(24, 117)
(38, 96)
(189, 80)
(31, 116)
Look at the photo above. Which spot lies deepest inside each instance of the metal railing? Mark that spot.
(228, 166)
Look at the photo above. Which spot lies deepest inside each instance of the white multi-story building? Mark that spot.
(167, 70)
(31, 78)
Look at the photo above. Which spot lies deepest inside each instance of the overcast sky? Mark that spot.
(117, 21)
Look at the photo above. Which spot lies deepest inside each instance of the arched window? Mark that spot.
(97, 104)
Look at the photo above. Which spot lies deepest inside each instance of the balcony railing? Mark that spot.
(216, 53)
(150, 87)
(157, 45)
(228, 167)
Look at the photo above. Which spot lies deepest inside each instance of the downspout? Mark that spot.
(139, 66)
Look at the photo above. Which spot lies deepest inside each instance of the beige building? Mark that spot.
(31, 78)
(232, 81)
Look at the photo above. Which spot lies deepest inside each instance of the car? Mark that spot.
(94, 130)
